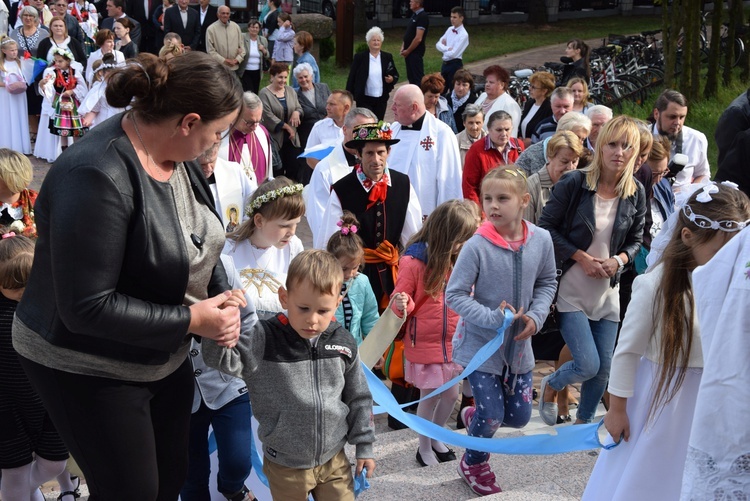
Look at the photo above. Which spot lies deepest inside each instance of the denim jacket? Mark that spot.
(569, 217)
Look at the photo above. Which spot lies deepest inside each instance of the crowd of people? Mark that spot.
(195, 307)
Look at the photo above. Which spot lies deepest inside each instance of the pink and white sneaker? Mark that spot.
(480, 478)
(467, 414)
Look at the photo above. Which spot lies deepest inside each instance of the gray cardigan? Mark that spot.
(274, 117)
(489, 272)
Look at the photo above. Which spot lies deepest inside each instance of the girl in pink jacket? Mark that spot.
(423, 273)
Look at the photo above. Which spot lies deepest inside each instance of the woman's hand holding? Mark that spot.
(388, 79)
(592, 266)
(236, 299)
(290, 130)
(294, 119)
(609, 265)
(212, 318)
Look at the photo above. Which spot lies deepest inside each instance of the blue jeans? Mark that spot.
(494, 394)
(592, 344)
(233, 433)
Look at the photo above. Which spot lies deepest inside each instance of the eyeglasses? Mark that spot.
(28, 15)
(250, 123)
(534, 87)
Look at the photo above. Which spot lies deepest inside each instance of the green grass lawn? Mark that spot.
(491, 40)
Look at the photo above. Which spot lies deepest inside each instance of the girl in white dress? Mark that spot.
(94, 108)
(658, 363)
(14, 129)
(263, 246)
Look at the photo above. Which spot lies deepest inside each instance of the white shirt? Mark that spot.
(328, 171)
(695, 146)
(325, 132)
(374, 84)
(184, 16)
(456, 42)
(203, 13)
(534, 108)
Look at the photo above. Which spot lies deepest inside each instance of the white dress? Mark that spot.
(649, 465)
(49, 146)
(96, 101)
(263, 271)
(14, 128)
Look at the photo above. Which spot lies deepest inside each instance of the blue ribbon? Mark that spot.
(361, 484)
(567, 438)
(480, 357)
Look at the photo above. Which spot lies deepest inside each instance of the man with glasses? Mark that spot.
(248, 142)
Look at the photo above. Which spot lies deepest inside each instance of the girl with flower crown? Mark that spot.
(264, 245)
(94, 108)
(358, 311)
(658, 363)
(63, 87)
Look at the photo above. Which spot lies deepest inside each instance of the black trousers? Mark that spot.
(447, 70)
(251, 81)
(377, 105)
(130, 439)
(415, 68)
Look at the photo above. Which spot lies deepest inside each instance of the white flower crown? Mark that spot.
(270, 196)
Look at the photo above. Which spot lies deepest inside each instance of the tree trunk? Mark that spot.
(689, 79)
(360, 17)
(712, 79)
(671, 25)
(537, 12)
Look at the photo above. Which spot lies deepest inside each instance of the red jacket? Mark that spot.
(429, 331)
(481, 158)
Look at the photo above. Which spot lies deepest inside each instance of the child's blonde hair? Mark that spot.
(172, 46)
(674, 314)
(279, 198)
(6, 42)
(99, 72)
(510, 174)
(346, 242)
(450, 225)
(16, 258)
(15, 170)
(320, 268)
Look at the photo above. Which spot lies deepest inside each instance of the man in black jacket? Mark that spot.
(185, 22)
(733, 139)
(208, 14)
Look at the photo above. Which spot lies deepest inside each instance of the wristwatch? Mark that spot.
(620, 262)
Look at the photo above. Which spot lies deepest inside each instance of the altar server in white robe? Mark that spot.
(718, 459)
(427, 152)
(230, 187)
(336, 165)
(248, 143)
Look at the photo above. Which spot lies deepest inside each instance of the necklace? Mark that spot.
(149, 158)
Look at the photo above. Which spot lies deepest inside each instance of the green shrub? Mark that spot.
(361, 47)
(327, 49)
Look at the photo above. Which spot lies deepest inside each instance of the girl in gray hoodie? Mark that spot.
(510, 263)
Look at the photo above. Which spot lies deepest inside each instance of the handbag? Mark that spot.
(266, 64)
(66, 103)
(15, 84)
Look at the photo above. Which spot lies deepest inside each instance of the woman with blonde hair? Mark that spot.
(596, 217)
(581, 96)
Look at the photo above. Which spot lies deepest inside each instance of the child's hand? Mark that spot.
(366, 463)
(236, 299)
(529, 328)
(379, 363)
(617, 424)
(401, 301)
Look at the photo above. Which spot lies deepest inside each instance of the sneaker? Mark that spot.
(480, 478)
(547, 410)
(466, 415)
(465, 402)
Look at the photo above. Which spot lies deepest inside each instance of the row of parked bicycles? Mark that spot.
(624, 67)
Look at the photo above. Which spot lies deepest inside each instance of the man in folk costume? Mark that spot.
(428, 152)
(336, 165)
(249, 143)
(382, 200)
(230, 187)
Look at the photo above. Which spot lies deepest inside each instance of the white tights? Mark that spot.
(436, 409)
(23, 483)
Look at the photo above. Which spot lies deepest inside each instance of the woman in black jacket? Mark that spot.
(126, 271)
(595, 217)
(462, 95)
(538, 106)
(372, 75)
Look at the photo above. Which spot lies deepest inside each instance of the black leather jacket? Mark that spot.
(569, 217)
(111, 268)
